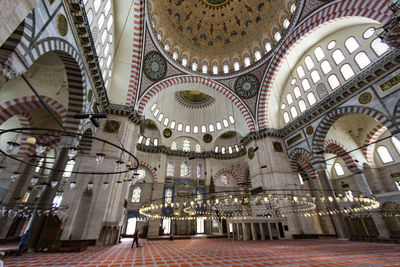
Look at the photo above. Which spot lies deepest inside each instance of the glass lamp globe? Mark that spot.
(34, 180)
(90, 185)
(72, 185)
(40, 148)
(31, 141)
(99, 157)
(105, 185)
(11, 147)
(54, 184)
(118, 164)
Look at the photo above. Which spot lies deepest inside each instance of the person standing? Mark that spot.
(135, 238)
(23, 242)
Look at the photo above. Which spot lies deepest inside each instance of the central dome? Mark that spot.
(215, 33)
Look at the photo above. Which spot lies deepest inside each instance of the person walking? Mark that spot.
(23, 242)
(136, 238)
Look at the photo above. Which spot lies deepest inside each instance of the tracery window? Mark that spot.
(136, 194)
(338, 169)
(225, 179)
(186, 145)
(199, 170)
(170, 168)
(185, 169)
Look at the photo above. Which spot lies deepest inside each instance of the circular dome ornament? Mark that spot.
(155, 66)
(250, 153)
(246, 86)
(62, 25)
(365, 98)
(167, 133)
(207, 138)
(309, 130)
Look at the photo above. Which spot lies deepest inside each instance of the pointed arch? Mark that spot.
(300, 162)
(334, 147)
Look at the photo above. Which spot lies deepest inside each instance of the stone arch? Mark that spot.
(329, 119)
(151, 169)
(75, 74)
(368, 149)
(300, 162)
(86, 140)
(334, 147)
(137, 51)
(186, 79)
(375, 9)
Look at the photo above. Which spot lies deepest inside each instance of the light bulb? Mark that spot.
(34, 180)
(99, 157)
(40, 148)
(54, 184)
(72, 151)
(31, 140)
(72, 185)
(90, 185)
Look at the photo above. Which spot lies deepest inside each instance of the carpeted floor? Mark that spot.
(223, 252)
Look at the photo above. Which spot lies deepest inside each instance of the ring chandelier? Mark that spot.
(269, 203)
(126, 165)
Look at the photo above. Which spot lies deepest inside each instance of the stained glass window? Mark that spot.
(224, 179)
(186, 145)
(136, 194)
(170, 168)
(174, 146)
(185, 169)
(168, 195)
(199, 170)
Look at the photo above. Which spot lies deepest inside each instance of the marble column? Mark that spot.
(262, 231)
(270, 231)
(253, 232)
(338, 220)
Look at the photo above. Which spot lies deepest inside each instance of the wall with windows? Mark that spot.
(327, 65)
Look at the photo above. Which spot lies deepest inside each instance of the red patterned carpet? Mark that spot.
(223, 252)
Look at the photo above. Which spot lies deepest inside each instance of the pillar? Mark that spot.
(253, 232)
(262, 232)
(328, 192)
(270, 231)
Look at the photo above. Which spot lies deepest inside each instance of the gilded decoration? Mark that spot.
(391, 83)
(155, 66)
(194, 99)
(150, 124)
(216, 3)
(228, 135)
(90, 95)
(207, 138)
(250, 153)
(309, 130)
(246, 86)
(111, 126)
(62, 25)
(167, 133)
(365, 98)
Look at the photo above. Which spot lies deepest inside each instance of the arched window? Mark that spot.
(300, 72)
(351, 44)
(140, 140)
(89, 15)
(166, 120)
(293, 111)
(225, 68)
(302, 105)
(104, 36)
(236, 66)
(338, 56)
(315, 76)
(309, 62)
(185, 169)
(311, 98)
(211, 128)
(293, 8)
(136, 194)
(289, 99)
(286, 117)
(203, 129)
(170, 168)
(160, 117)
(225, 179)
(187, 129)
(184, 62)
(384, 154)
(223, 150)
(180, 127)
(326, 66)
(156, 112)
(96, 4)
(186, 145)
(369, 33)
(286, 23)
(331, 45)
(147, 143)
(231, 119)
(204, 68)
(155, 142)
(338, 169)
(219, 126)
(277, 36)
(166, 47)
(194, 66)
(297, 92)
(396, 143)
(246, 61)
(175, 56)
(333, 81)
(101, 21)
(225, 122)
(199, 170)
(195, 129)
(306, 84)
(230, 151)
(379, 47)
(153, 107)
(168, 196)
(319, 53)
(216, 149)
(267, 47)
(215, 70)
(347, 71)
(173, 123)
(362, 60)
(110, 22)
(257, 55)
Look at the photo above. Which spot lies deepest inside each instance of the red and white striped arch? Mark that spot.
(334, 147)
(137, 51)
(368, 149)
(151, 169)
(158, 87)
(377, 10)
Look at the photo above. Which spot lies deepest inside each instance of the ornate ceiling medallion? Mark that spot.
(194, 99)
(155, 66)
(216, 3)
(207, 138)
(246, 86)
(62, 25)
(167, 133)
